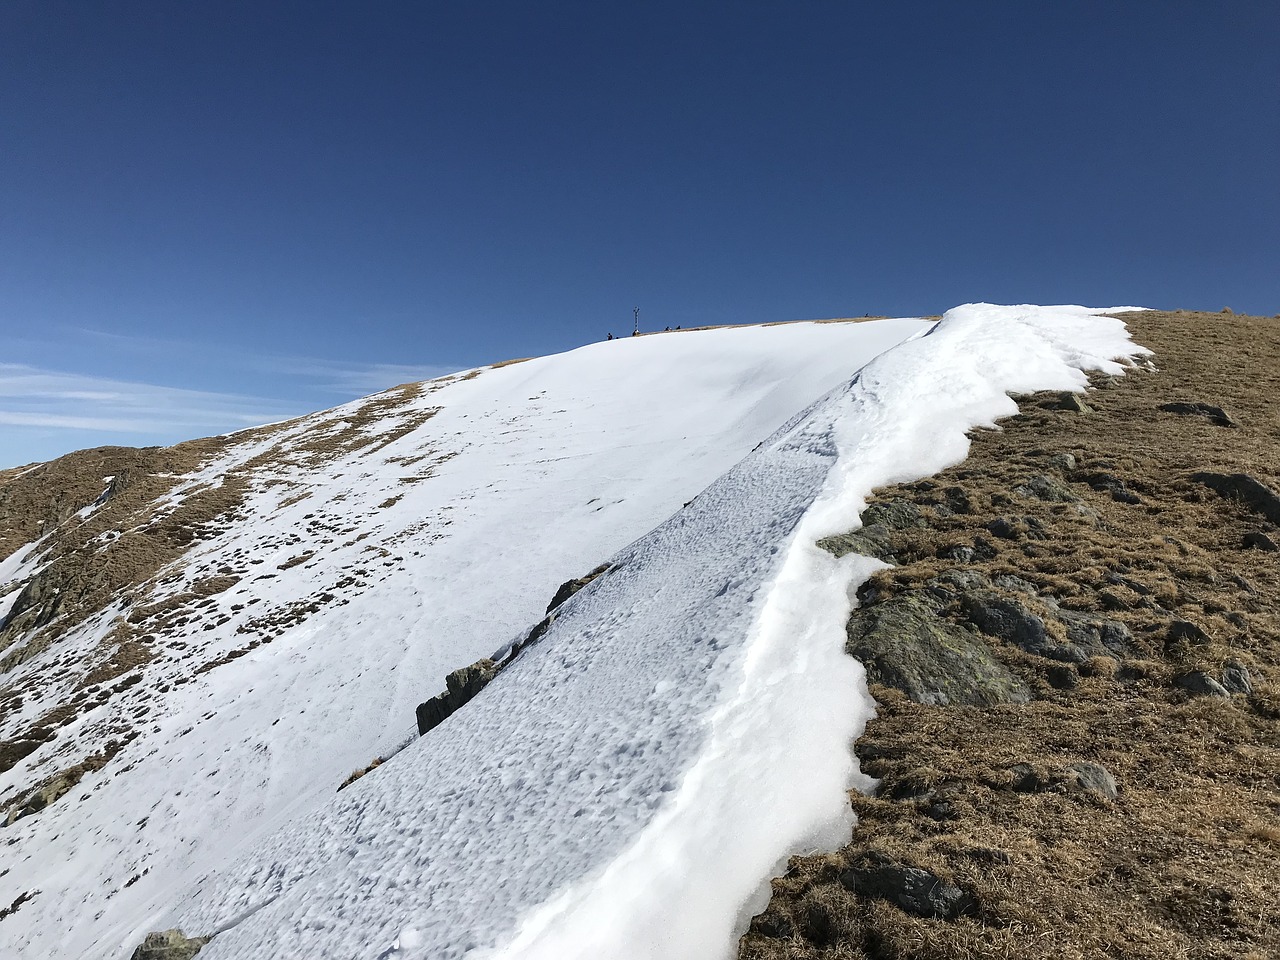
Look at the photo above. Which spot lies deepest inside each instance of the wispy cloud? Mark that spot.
(348, 378)
(45, 412)
(33, 397)
(351, 379)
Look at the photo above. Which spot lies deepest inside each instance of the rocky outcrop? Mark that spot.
(1250, 491)
(869, 541)
(879, 521)
(462, 685)
(931, 642)
(905, 643)
(1236, 677)
(35, 799)
(1026, 624)
(37, 604)
(1136, 601)
(1215, 415)
(919, 892)
(48, 792)
(169, 945)
(1065, 400)
(570, 587)
(17, 903)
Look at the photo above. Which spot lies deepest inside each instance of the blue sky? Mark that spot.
(217, 214)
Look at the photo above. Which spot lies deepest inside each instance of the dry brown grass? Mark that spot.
(1182, 864)
(357, 774)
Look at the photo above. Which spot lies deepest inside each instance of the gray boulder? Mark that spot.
(1092, 779)
(1236, 678)
(1049, 489)
(919, 892)
(1064, 462)
(879, 520)
(1067, 401)
(957, 552)
(869, 541)
(1215, 415)
(1200, 684)
(1250, 491)
(1096, 636)
(1009, 619)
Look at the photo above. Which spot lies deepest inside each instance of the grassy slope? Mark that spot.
(1182, 864)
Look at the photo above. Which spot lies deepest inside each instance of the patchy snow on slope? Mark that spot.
(627, 786)
(379, 546)
(14, 570)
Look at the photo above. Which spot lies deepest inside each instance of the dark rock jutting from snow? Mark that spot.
(879, 521)
(462, 685)
(570, 587)
(169, 945)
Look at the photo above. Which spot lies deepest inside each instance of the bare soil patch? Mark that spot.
(1131, 807)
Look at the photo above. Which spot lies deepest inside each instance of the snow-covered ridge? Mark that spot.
(627, 786)
(373, 548)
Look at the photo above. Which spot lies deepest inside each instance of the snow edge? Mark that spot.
(902, 417)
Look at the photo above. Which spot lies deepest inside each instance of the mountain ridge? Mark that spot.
(199, 615)
(921, 823)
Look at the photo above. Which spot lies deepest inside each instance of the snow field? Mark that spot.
(625, 789)
(434, 550)
(771, 780)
